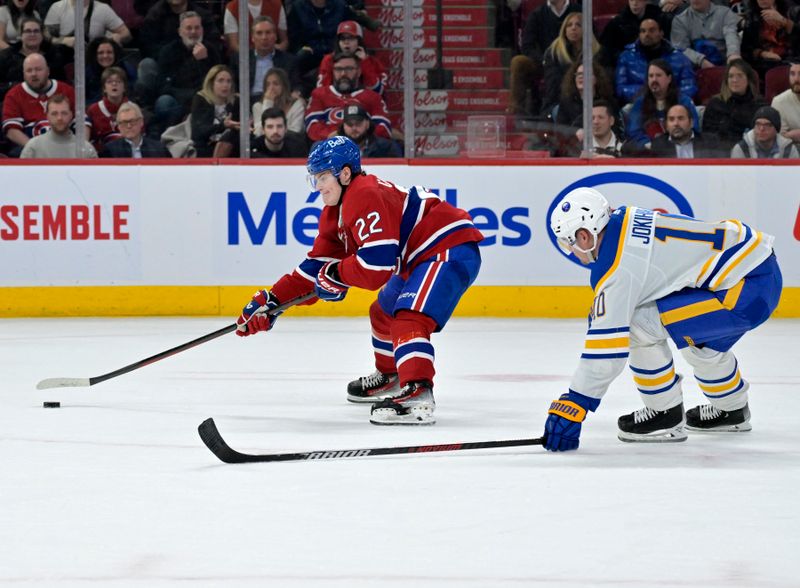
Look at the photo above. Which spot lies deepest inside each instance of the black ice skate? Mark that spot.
(709, 419)
(373, 387)
(652, 426)
(414, 406)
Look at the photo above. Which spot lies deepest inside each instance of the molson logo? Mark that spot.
(661, 187)
(431, 100)
(393, 38)
(435, 121)
(436, 145)
(393, 17)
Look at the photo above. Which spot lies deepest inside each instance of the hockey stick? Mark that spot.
(214, 441)
(80, 382)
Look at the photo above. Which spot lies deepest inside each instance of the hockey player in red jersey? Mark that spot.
(419, 250)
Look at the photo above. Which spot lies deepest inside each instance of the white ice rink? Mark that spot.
(116, 489)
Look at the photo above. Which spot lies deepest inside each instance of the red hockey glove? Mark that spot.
(255, 316)
(329, 285)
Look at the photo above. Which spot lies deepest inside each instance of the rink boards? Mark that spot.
(196, 239)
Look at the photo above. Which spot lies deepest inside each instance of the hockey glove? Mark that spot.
(563, 426)
(329, 285)
(255, 317)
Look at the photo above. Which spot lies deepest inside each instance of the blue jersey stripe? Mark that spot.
(608, 331)
(384, 345)
(410, 214)
(727, 255)
(721, 380)
(379, 255)
(734, 391)
(604, 356)
(660, 390)
(645, 372)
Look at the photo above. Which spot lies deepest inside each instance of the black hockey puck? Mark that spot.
(51, 405)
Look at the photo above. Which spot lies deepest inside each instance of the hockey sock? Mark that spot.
(717, 374)
(382, 339)
(413, 352)
(654, 375)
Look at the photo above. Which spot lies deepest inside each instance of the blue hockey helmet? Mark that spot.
(332, 155)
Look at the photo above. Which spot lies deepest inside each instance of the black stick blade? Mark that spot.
(214, 441)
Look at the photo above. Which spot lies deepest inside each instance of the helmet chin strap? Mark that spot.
(589, 253)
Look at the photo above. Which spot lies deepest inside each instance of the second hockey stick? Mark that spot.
(82, 382)
(214, 441)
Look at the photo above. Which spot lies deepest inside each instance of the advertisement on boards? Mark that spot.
(234, 225)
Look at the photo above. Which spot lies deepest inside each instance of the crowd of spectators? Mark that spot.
(162, 81)
(173, 66)
(658, 57)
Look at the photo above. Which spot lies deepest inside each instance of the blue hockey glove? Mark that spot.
(563, 426)
(255, 317)
(329, 285)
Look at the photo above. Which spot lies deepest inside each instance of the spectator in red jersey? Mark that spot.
(103, 114)
(324, 111)
(271, 8)
(25, 104)
(350, 41)
(33, 41)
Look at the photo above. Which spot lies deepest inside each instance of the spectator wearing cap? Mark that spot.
(276, 140)
(350, 41)
(357, 125)
(764, 140)
(325, 108)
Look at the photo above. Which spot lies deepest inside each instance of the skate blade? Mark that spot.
(414, 417)
(374, 398)
(740, 428)
(665, 436)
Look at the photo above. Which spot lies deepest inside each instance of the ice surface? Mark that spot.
(116, 489)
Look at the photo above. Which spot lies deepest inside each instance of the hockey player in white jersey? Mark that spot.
(658, 277)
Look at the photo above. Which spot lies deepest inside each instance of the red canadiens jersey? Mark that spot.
(26, 110)
(373, 75)
(103, 116)
(324, 112)
(379, 229)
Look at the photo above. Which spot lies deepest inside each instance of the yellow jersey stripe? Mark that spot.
(747, 252)
(607, 343)
(655, 381)
(732, 295)
(722, 387)
(620, 246)
(690, 311)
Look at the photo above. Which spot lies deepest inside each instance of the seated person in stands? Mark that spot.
(103, 22)
(707, 33)
(729, 114)
(631, 73)
(605, 141)
(350, 41)
(764, 140)
(570, 104)
(277, 94)
(787, 103)
(101, 54)
(623, 29)
(58, 141)
(274, 9)
(357, 125)
(560, 55)
(215, 115)
(183, 65)
(324, 111)
(646, 117)
(11, 16)
(25, 104)
(32, 41)
(103, 114)
(680, 141)
(132, 143)
(162, 22)
(265, 56)
(769, 36)
(275, 140)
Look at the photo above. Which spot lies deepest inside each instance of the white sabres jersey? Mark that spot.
(644, 256)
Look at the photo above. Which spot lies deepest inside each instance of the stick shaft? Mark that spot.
(70, 382)
(214, 441)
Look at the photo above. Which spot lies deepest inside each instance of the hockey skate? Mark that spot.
(707, 418)
(414, 406)
(652, 426)
(373, 387)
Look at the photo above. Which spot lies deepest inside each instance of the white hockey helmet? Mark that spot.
(582, 208)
